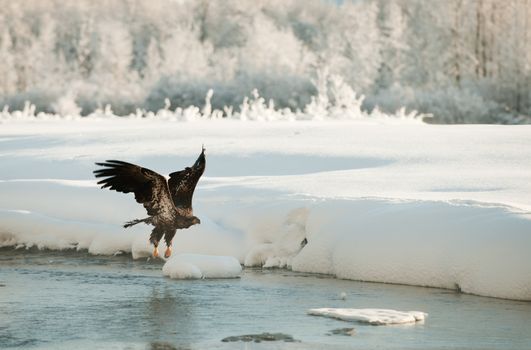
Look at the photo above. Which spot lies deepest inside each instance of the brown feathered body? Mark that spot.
(168, 202)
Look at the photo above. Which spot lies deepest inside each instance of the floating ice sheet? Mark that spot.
(371, 316)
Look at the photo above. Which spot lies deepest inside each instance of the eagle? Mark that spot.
(167, 202)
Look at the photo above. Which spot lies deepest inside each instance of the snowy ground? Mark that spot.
(439, 206)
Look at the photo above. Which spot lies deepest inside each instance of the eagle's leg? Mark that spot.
(168, 237)
(167, 253)
(156, 235)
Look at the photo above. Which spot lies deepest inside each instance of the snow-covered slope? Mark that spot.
(440, 206)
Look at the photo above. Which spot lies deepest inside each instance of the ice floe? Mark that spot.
(195, 266)
(372, 316)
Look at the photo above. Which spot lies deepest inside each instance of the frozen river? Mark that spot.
(67, 299)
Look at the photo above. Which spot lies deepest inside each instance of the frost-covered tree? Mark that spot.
(353, 45)
(185, 54)
(271, 49)
(44, 64)
(85, 48)
(114, 55)
(8, 77)
(422, 54)
(517, 55)
(151, 72)
(392, 27)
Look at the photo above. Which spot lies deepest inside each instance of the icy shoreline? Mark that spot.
(453, 213)
(482, 251)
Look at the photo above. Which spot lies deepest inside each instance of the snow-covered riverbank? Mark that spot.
(439, 206)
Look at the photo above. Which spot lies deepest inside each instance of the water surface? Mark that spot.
(72, 299)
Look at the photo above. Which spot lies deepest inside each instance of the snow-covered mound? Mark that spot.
(478, 250)
(194, 266)
(411, 204)
(372, 316)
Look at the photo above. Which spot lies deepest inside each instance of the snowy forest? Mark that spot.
(462, 61)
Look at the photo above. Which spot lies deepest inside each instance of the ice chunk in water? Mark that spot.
(193, 266)
(372, 316)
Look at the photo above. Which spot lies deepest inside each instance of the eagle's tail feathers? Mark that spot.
(136, 221)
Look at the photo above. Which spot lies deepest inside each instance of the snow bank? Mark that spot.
(28, 229)
(473, 249)
(371, 203)
(195, 266)
(286, 241)
(372, 316)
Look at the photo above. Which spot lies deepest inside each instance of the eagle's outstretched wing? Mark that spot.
(149, 187)
(182, 183)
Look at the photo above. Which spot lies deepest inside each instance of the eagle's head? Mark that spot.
(193, 220)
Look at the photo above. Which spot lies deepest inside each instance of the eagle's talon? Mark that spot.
(167, 253)
(156, 252)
